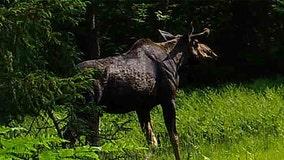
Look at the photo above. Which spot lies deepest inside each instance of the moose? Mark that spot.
(142, 78)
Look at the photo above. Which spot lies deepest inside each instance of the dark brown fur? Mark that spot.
(144, 77)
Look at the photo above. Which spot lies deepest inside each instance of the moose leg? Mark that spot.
(169, 113)
(70, 135)
(146, 126)
(93, 126)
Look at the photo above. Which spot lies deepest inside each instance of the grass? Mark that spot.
(234, 121)
(230, 121)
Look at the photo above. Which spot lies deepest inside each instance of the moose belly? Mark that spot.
(127, 94)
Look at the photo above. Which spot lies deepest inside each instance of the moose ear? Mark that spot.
(166, 35)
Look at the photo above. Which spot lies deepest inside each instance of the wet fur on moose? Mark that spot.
(142, 78)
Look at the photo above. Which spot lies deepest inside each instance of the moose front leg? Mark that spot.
(146, 126)
(169, 112)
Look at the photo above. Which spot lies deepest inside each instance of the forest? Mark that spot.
(231, 108)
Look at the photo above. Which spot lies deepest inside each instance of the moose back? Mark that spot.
(143, 77)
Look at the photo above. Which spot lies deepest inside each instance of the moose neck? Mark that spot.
(175, 49)
(172, 59)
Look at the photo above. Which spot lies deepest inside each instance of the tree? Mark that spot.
(37, 55)
(87, 33)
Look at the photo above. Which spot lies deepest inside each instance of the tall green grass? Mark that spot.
(230, 121)
(234, 121)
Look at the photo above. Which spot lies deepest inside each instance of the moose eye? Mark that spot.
(195, 43)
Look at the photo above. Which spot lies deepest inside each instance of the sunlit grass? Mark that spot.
(234, 121)
(231, 121)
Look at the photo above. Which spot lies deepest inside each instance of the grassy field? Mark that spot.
(231, 121)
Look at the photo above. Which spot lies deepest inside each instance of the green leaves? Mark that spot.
(44, 147)
(33, 33)
(163, 17)
(278, 6)
(141, 12)
(14, 145)
(37, 48)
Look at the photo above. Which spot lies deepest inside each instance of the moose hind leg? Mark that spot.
(146, 126)
(93, 125)
(169, 113)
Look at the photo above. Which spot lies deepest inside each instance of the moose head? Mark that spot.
(196, 49)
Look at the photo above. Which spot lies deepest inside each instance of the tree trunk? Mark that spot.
(87, 34)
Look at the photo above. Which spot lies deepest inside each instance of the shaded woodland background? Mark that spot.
(43, 40)
(247, 34)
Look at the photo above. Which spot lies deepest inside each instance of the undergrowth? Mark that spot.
(230, 121)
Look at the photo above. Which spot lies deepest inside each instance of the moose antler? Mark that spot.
(205, 31)
(192, 28)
